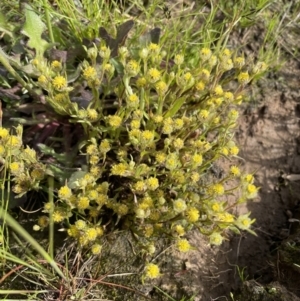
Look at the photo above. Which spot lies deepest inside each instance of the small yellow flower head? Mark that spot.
(233, 115)
(205, 75)
(243, 78)
(205, 54)
(94, 159)
(92, 114)
(197, 160)
(158, 119)
(153, 75)
(58, 216)
(42, 79)
(122, 209)
(178, 123)
(228, 96)
(90, 73)
(4, 133)
(218, 101)
(47, 207)
(179, 59)
(180, 230)
(104, 52)
(91, 149)
(218, 189)
(140, 187)
(192, 215)
(218, 90)
(82, 114)
(183, 245)
(248, 178)
(119, 169)
(37, 174)
(73, 231)
(96, 249)
(143, 53)
(80, 224)
(216, 120)
(161, 88)
(91, 234)
(16, 168)
(239, 62)
(135, 124)
(235, 171)
(152, 271)
(132, 68)
(14, 141)
(114, 121)
(203, 114)
(123, 52)
(234, 150)
(172, 161)
(148, 231)
(244, 222)
(226, 64)
(212, 61)
(92, 52)
(195, 177)
(83, 203)
(101, 199)
(225, 54)
(200, 86)
(178, 143)
(93, 194)
(134, 136)
(216, 207)
(224, 151)
(132, 101)
(179, 205)
(251, 191)
(160, 157)
(147, 138)
(153, 48)
(99, 230)
(104, 146)
(141, 82)
(64, 193)
(259, 67)
(216, 239)
(59, 82)
(93, 212)
(43, 221)
(56, 65)
(225, 217)
(152, 183)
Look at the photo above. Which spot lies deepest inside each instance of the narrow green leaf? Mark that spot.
(176, 107)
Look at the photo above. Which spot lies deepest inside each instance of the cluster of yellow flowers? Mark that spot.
(151, 151)
(22, 163)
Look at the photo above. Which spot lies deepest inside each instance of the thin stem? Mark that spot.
(48, 21)
(51, 223)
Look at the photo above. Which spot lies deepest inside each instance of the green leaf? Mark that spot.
(176, 107)
(33, 29)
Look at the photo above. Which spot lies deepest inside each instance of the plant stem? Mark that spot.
(49, 25)
(51, 223)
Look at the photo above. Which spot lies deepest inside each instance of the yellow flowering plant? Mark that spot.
(152, 126)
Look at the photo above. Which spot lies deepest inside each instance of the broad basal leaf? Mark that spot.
(33, 29)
